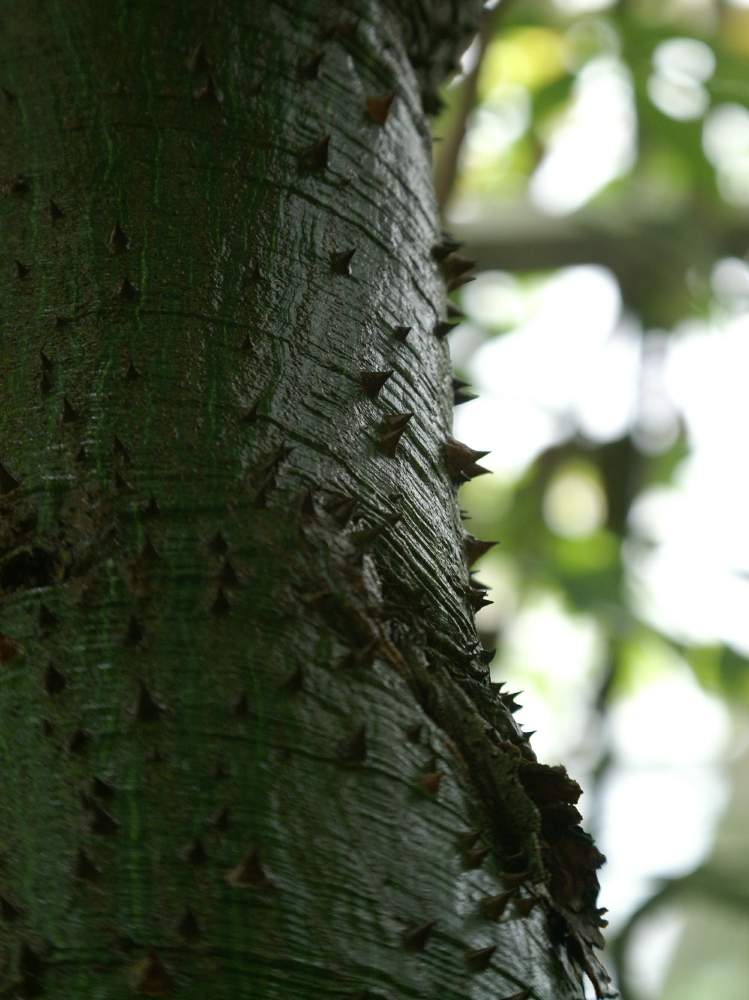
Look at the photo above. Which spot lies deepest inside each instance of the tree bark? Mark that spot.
(250, 748)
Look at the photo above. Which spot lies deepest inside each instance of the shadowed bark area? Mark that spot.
(249, 744)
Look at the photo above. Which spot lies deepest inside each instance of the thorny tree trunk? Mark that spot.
(249, 744)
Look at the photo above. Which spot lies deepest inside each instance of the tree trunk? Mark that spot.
(250, 748)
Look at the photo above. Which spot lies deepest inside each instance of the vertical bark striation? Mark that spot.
(250, 749)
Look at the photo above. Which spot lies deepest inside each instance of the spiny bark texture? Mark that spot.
(249, 744)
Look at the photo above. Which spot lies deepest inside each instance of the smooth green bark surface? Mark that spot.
(249, 748)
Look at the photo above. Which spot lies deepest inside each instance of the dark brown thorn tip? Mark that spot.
(22, 271)
(209, 92)
(126, 290)
(54, 681)
(456, 283)
(147, 709)
(241, 706)
(7, 482)
(195, 853)
(402, 332)
(340, 262)
(493, 907)
(69, 412)
(188, 927)
(102, 822)
(309, 69)
(372, 382)
(442, 329)
(315, 157)
(197, 60)
(475, 548)
(430, 781)
(221, 604)
(353, 749)
(479, 959)
(455, 266)
(55, 212)
(474, 856)
(79, 741)
(249, 873)
(132, 372)
(47, 619)
(415, 938)
(85, 869)
(341, 508)
(218, 544)
(134, 633)
(378, 108)
(461, 460)
(150, 976)
(118, 241)
(444, 247)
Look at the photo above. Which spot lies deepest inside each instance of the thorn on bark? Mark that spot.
(446, 246)
(22, 271)
(132, 373)
(391, 431)
(55, 212)
(195, 853)
(150, 976)
(455, 283)
(8, 911)
(126, 290)
(474, 548)
(353, 750)
(416, 938)
(54, 681)
(479, 959)
(525, 906)
(134, 634)
(442, 329)
(241, 706)
(361, 658)
(372, 382)
(309, 69)
(20, 185)
(102, 822)
(455, 266)
(220, 821)
(7, 482)
(209, 92)
(295, 682)
(69, 412)
(460, 393)
(118, 241)
(250, 873)
(147, 709)
(430, 781)
(188, 927)
(340, 263)
(227, 575)
(218, 544)
(474, 856)
(315, 157)
(221, 604)
(467, 839)
(378, 108)
(402, 332)
(341, 508)
(47, 619)
(79, 741)
(461, 460)
(493, 907)
(102, 789)
(197, 60)
(85, 869)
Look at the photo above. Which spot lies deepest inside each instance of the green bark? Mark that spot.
(249, 745)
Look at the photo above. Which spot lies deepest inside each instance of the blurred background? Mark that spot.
(593, 156)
